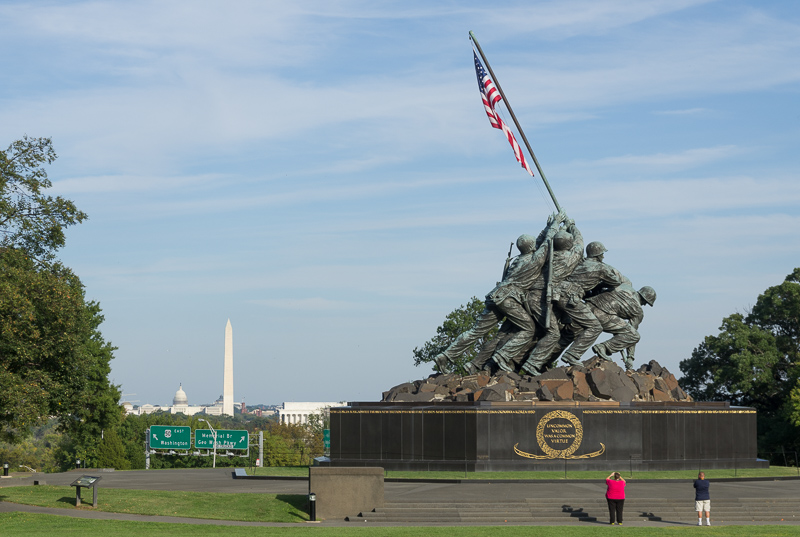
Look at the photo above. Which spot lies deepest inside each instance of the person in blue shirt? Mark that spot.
(702, 500)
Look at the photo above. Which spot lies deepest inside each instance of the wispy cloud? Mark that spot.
(162, 34)
(132, 183)
(561, 19)
(738, 53)
(212, 194)
(649, 199)
(672, 161)
(683, 112)
(190, 100)
(305, 304)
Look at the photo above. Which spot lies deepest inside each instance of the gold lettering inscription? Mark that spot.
(559, 434)
(447, 412)
(669, 412)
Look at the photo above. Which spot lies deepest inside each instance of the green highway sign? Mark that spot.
(170, 437)
(204, 439)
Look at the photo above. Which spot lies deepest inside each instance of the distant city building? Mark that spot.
(298, 413)
(258, 411)
(262, 412)
(180, 405)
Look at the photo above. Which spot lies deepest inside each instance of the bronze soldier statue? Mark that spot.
(507, 300)
(567, 254)
(620, 313)
(587, 276)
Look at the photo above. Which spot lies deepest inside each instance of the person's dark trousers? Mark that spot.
(615, 510)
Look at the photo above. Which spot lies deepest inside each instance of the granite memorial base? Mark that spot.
(345, 491)
(502, 436)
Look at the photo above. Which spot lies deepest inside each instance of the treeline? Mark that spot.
(754, 361)
(123, 447)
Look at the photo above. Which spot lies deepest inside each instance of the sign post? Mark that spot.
(261, 447)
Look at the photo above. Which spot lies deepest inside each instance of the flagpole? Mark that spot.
(522, 133)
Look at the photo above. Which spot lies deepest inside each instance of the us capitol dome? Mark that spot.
(180, 397)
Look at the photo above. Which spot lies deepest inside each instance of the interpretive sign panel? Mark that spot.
(84, 481)
(204, 439)
(170, 437)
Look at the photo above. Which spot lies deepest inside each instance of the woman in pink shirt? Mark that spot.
(615, 496)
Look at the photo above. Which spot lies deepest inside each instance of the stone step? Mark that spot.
(532, 510)
(640, 506)
(469, 519)
(474, 513)
(594, 512)
(543, 519)
(601, 499)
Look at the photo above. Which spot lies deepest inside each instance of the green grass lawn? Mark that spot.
(244, 506)
(30, 525)
(774, 471)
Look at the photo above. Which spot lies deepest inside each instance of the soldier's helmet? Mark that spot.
(562, 241)
(593, 249)
(526, 244)
(649, 294)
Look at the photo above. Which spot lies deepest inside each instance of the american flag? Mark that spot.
(490, 97)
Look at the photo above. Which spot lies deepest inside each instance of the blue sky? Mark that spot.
(323, 174)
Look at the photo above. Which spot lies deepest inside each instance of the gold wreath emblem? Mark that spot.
(551, 453)
(576, 442)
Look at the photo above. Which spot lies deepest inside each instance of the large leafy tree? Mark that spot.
(738, 365)
(753, 361)
(457, 321)
(30, 219)
(53, 358)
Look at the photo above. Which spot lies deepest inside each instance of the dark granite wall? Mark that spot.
(483, 436)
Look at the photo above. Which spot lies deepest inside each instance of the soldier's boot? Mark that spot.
(571, 360)
(601, 352)
(470, 368)
(503, 363)
(441, 362)
(628, 361)
(530, 369)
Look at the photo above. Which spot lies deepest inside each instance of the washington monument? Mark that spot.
(227, 374)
